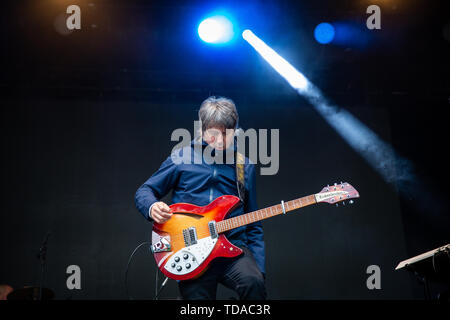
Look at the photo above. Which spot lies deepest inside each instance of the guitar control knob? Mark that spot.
(188, 265)
(185, 256)
(179, 268)
(173, 265)
(177, 259)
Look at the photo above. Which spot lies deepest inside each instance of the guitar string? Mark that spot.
(225, 228)
(290, 204)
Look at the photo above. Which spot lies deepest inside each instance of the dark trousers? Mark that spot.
(240, 274)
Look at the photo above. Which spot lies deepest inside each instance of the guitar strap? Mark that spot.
(240, 176)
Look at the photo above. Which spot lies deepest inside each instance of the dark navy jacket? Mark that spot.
(200, 184)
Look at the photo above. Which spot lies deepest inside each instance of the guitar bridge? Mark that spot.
(212, 229)
(190, 236)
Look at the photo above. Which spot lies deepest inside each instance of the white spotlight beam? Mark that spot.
(288, 72)
(379, 154)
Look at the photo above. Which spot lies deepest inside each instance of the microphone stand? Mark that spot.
(42, 255)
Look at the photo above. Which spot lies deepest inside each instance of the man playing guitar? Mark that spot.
(200, 184)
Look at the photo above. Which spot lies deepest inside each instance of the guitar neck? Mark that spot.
(242, 220)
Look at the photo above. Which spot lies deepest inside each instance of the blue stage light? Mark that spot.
(217, 29)
(324, 33)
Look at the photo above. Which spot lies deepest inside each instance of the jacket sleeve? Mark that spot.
(255, 236)
(156, 187)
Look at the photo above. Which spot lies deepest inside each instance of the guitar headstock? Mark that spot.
(336, 193)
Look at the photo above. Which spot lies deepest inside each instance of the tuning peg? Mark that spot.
(343, 203)
(351, 201)
(337, 204)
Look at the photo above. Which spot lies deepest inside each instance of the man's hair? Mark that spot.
(218, 112)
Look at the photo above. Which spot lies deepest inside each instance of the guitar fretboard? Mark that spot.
(244, 219)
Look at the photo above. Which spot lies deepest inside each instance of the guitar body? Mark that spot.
(186, 244)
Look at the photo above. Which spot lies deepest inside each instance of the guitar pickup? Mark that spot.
(193, 235)
(190, 236)
(212, 229)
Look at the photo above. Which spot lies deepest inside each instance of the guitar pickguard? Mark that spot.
(190, 258)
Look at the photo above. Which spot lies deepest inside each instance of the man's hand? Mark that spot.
(161, 212)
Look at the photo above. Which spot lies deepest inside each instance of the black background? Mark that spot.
(87, 118)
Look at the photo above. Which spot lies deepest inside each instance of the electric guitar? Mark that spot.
(185, 245)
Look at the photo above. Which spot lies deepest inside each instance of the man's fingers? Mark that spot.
(161, 212)
(155, 216)
(165, 215)
(158, 218)
(164, 207)
(161, 206)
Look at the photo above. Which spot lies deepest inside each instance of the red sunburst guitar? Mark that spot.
(185, 245)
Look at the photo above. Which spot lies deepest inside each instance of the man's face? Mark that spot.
(219, 138)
